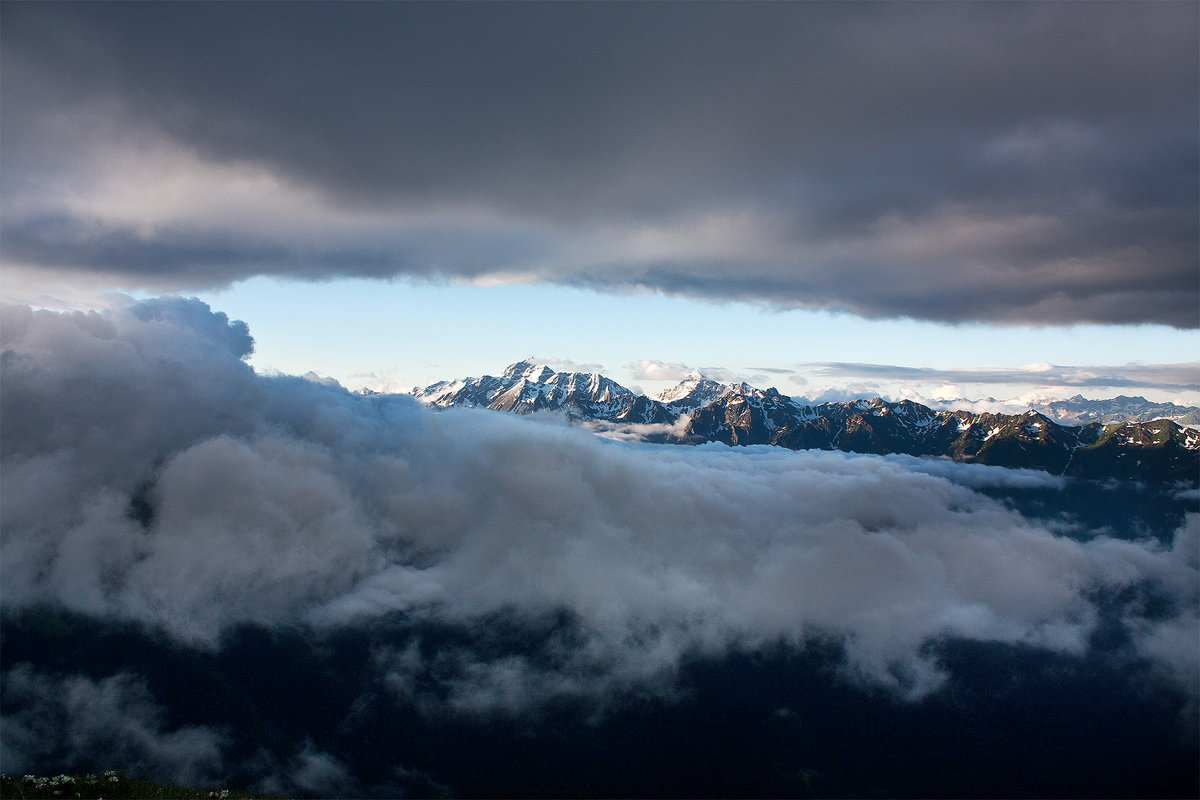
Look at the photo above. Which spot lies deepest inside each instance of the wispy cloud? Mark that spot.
(651, 370)
(1178, 377)
(566, 364)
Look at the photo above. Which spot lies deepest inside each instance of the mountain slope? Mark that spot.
(690, 394)
(739, 414)
(1135, 450)
(744, 415)
(526, 387)
(1159, 451)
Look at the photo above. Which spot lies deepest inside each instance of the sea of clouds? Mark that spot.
(149, 475)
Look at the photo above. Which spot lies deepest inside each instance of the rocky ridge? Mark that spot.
(740, 414)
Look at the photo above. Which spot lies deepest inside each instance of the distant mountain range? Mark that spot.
(1119, 438)
(1078, 410)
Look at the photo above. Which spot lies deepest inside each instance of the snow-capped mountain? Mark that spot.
(701, 410)
(526, 387)
(690, 394)
(1158, 450)
(1078, 410)
(745, 415)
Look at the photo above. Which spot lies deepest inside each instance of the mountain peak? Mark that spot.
(530, 370)
(742, 414)
(530, 386)
(691, 393)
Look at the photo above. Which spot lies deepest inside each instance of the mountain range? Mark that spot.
(526, 387)
(1078, 410)
(699, 410)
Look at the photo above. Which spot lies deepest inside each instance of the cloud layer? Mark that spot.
(116, 717)
(150, 475)
(945, 162)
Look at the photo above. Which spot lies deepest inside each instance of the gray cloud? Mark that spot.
(115, 723)
(149, 474)
(97, 725)
(193, 256)
(981, 476)
(1177, 377)
(310, 771)
(944, 161)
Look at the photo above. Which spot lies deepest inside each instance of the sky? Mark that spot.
(928, 200)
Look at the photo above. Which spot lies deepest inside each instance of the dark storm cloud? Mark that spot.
(1015, 163)
(148, 474)
(212, 258)
(73, 243)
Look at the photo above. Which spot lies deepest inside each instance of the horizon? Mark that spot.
(1043, 212)
(697, 374)
(292, 345)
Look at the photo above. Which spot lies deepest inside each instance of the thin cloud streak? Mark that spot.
(1173, 377)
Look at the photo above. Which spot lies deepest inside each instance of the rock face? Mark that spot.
(1157, 451)
(690, 394)
(739, 414)
(526, 387)
(745, 415)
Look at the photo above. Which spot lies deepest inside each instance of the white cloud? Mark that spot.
(651, 370)
(566, 364)
(387, 381)
(149, 474)
(637, 432)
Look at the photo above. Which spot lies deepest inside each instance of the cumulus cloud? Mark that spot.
(652, 370)
(1023, 165)
(149, 474)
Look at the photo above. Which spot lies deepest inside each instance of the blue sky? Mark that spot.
(829, 198)
(394, 335)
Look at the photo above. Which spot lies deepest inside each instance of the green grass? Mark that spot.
(108, 785)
